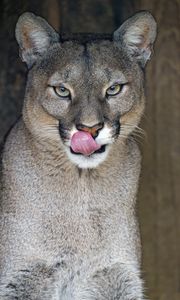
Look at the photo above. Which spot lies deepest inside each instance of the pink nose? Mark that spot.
(93, 130)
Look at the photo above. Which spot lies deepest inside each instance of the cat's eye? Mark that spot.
(62, 92)
(114, 89)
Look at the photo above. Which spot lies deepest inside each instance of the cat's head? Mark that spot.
(84, 94)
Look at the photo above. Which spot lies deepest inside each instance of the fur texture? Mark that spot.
(68, 224)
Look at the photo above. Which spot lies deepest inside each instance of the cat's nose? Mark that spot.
(93, 130)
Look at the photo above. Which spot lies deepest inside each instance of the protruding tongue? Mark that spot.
(83, 142)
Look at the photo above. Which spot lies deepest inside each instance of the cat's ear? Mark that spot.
(137, 34)
(34, 36)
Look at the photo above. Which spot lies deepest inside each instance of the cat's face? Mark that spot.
(96, 87)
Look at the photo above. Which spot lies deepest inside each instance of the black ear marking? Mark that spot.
(34, 36)
(137, 35)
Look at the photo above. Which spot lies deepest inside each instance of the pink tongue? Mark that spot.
(83, 142)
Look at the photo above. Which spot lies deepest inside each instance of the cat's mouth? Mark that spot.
(85, 144)
(100, 150)
(84, 149)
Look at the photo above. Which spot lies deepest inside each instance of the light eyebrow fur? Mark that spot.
(63, 75)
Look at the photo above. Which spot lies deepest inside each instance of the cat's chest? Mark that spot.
(82, 212)
(72, 201)
(82, 196)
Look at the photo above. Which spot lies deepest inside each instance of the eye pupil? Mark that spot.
(113, 88)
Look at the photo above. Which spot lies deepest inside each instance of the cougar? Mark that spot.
(70, 165)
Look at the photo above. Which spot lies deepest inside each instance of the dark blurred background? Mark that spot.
(159, 195)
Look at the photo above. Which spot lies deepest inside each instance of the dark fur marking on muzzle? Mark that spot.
(63, 131)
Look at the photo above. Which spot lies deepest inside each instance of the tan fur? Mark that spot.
(68, 222)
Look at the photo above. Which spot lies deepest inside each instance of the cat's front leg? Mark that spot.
(117, 282)
(36, 282)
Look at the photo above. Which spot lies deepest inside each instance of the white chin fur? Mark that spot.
(87, 162)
